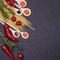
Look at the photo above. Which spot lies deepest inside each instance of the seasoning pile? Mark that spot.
(12, 18)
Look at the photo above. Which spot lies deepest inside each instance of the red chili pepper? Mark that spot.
(8, 52)
(9, 34)
(10, 3)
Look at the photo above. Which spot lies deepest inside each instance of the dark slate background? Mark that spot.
(44, 43)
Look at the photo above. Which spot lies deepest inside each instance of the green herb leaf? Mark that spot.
(4, 13)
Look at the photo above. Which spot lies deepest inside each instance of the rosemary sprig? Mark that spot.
(10, 44)
(10, 11)
(2, 4)
(4, 13)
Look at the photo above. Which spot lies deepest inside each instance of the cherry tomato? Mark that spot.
(20, 56)
(13, 18)
(18, 23)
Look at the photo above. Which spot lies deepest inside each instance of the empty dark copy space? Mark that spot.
(44, 43)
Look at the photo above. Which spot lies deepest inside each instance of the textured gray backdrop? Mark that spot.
(44, 43)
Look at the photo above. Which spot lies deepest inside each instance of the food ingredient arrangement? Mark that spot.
(12, 18)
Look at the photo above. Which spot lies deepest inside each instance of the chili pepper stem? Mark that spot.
(5, 20)
(0, 44)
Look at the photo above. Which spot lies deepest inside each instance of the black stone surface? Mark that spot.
(44, 43)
